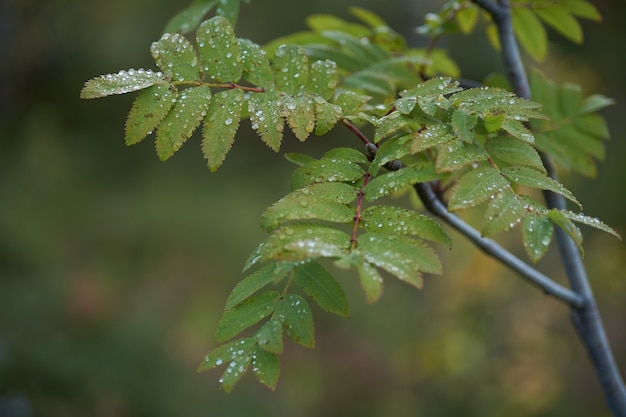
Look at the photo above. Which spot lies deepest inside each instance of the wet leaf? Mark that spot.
(176, 57)
(299, 111)
(265, 117)
(295, 314)
(234, 371)
(385, 184)
(326, 170)
(504, 211)
(256, 66)
(476, 187)
(148, 111)
(323, 79)
(245, 314)
(121, 83)
(219, 50)
(266, 367)
(270, 336)
(271, 273)
(322, 287)
(291, 69)
(537, 231)
(509, 151)
(226, 353)
(536, 179)
(189, 18)
(221, 126)
(302, 241)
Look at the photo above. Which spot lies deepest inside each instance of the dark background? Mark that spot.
(114, 267)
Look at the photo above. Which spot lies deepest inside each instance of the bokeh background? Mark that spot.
(114, 267)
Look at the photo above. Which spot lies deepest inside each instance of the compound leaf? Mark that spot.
(226, 353)
(234, 371)
(393, 181)
(219, 50)
(176, 57)
(221, 126)
(537, 231)
(530, 177)
(246, 313)
(513, 152)
(256, 66)
(266, 367)
(271, 273)
(148, 110)
(265, 117)
(190, 108)
(121, 83)
(561, 20)
(326, 170)
(322, 287)
(504, 211)
(476, 187)
(295, 314)
(300, 241)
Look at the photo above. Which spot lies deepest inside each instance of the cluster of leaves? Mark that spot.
(480, 145)
(530, 18)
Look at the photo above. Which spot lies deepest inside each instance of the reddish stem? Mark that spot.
(359, 206)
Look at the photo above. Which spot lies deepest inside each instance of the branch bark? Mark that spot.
(586, 317)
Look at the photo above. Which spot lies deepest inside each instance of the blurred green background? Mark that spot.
(114, 267)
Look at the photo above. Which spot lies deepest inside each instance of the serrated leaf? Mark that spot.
(389, 124)
(590, 221)
(399, 255)
(350, 102)
(226, 353)
(457, 154)
(121, 83)
(511, 151)
(317, 201)
(493, 120)
(189, 18)
(537, 231)
(326, 170)
(323, 78)
(392, 149)
(219, 50)
(270, 336)
(234, 371)
(561, 20)
(518, 130)
(435, 88)
(476, 187)
(504, 212)
(532, 178)
(322, 287)
(295, 314)
(176, 57)
(291, 69)
(245, 314)
(431, 136)
(265, 117)
(271, 273)
(389, 220)
(300, 114)
(393, 181)
(256, 67)
(347, 154)
(149, 109)
(371, 282)
(561, 220)
(298, 158)
(221, 126)
(463, 125)
(530, 32)
(486, 101)
(266, 367)
(183, 119)
(326, 114)
(300, 241)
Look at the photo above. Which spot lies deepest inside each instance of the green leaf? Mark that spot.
(149, 109)
(351, 102)
(271, 273)
(256, 67)
(323, 78)
(532, 178)
(371, 82)
(466, 18)
(219, 50)
(346, 154)
(399, 255)
(266, 367)
(582, 8)
(518, 130)
(476, 187)
(302, 241)
(226, 353)
(295, 314)
(234, 371)
(392, 149)
(300, 114)
(326, 170)
(463, 125)
(509, 151)
(121, 83)
(371, 282)
(265, 117)
(430, 136)
(530, 32)
(590, 221)
(561, 20)
(389, 124)
(405, 105)
(221, 126)
(360, 48)
(176, 57)
(229, 9)
(537, 231)
(322, 201)
(189, 18)
(323, 22)
(389, 220)
(433, 89)
(291, 69)
(594, 103)
(327, 115)
(298, 158)
(190, 108)
(504, 211)
(369, 18)
(270, 336)
(322, 287)
(457, 154)
(246, 313)
(561, 220)
(393, 181)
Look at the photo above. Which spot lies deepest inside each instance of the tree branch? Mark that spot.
(586, 317)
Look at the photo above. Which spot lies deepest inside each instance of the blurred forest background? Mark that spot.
(114, 267)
